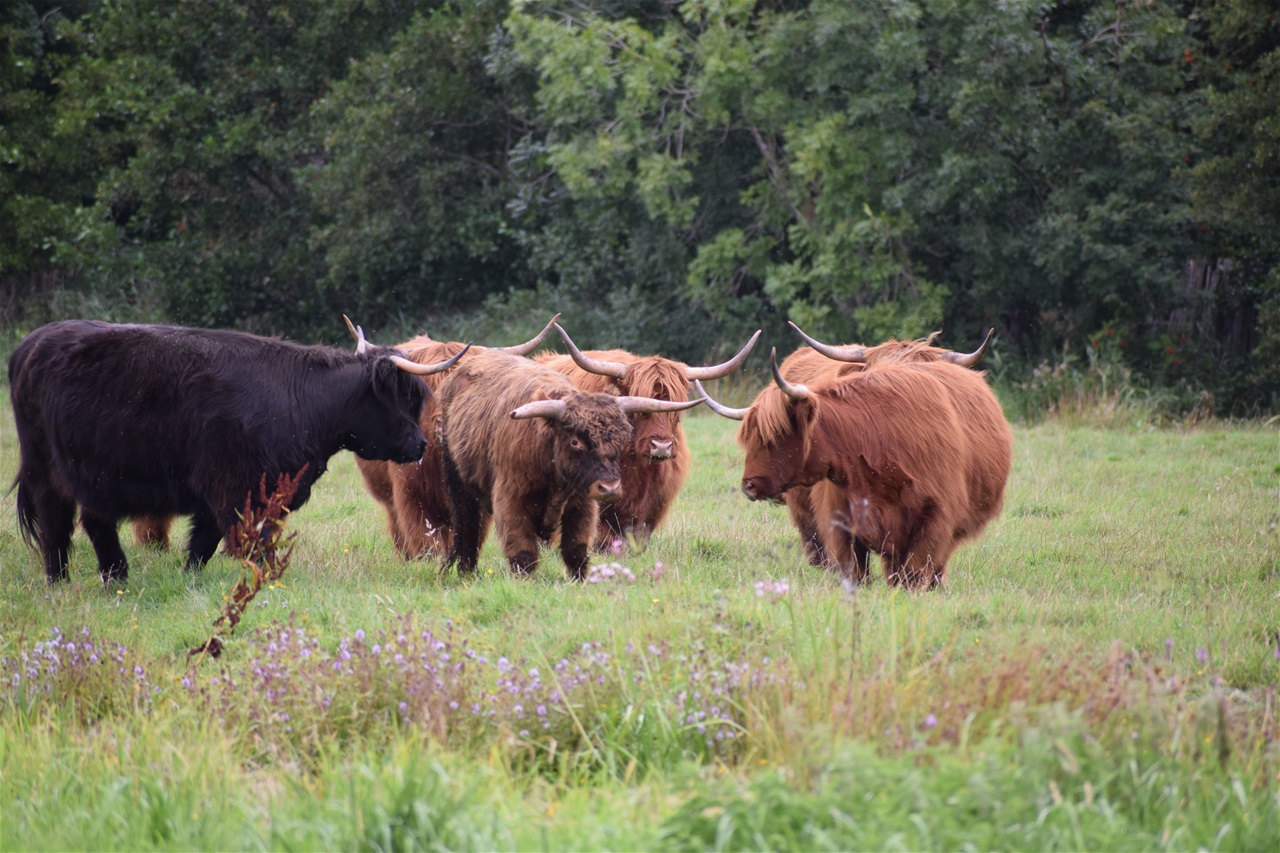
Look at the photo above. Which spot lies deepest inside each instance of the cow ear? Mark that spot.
(806, 413)
(383, 374)
(388, 380)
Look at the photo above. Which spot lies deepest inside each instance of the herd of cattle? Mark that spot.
(899, 449)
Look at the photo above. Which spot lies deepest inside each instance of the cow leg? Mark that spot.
(847, 555)
(420, 525)
(921, 561)
(103, 533)
(610, 528)
(933, 542)
(861, 554)
(204, 539)
(55, 521)
(517, 532)
(805, 521)
(469, 521)
(577, 530)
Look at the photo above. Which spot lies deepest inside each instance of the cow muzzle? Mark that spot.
(412, 449)
(754, 490)
(606, 490)
(661, 449)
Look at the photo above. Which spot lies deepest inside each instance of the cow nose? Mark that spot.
(659, 449)
(415, 447)
(606, 489)
(750, 489)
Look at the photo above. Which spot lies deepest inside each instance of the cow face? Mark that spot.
(655, 436)
(778, 458)
(589, 437)
(387, 424)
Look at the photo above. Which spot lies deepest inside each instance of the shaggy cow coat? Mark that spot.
(534, 477)
(912, 458)
(656, 463)
(809, 366)
(127, 421)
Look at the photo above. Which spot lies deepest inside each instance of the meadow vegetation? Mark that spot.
(1099, 673)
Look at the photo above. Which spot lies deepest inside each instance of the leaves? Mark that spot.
(872, 169)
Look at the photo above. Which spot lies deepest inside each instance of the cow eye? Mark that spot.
(575, 443)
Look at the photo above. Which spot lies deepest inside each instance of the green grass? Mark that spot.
(1100, 672)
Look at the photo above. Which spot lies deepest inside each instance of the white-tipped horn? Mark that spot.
(549, 409)
(852, 352)
(719, 408)
(614, 369)
(795, 392)
(427, 369)
(362, 346)
(531, 344)
(648, 405)
(718, 370)
(971, 359)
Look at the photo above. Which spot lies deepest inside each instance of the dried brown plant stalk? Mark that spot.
(258, 540)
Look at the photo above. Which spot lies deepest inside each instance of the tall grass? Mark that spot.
(1100, 672)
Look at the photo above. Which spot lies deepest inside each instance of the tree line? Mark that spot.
(1092, 179)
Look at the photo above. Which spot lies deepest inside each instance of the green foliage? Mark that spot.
(868, 170)
(1235, 184)
(410, 181)
(199, 148)
(41, 180)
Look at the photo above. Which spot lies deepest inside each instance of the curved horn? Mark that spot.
(718, 408)
(718, 370)
(795, 392)
(852, 352)
(531, 344)
(550, 409)
(426, 369)
(648, 405)
(970, 359)
(362, 346)
(615, 369)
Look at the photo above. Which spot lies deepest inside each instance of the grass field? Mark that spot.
(1099, 673)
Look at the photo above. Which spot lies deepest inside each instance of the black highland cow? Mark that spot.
(132, 420)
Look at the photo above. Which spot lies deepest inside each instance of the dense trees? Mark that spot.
(1081, 175)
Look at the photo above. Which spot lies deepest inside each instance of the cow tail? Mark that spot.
(28, 518)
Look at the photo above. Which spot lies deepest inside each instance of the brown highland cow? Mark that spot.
(656, 463)
(525, 447)
(912, 458)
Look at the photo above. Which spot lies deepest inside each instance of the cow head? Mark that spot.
(387, 426)
(590, 432)
(776, 434)
(657, 435)
(387, 423)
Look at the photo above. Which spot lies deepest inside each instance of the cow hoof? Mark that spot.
(524, 563)
(114, 574)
